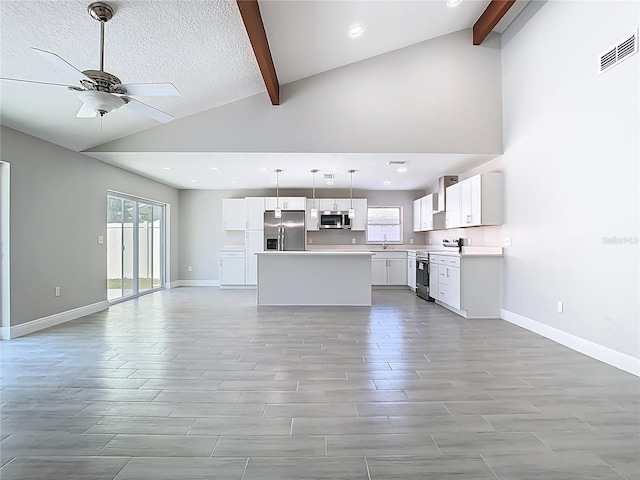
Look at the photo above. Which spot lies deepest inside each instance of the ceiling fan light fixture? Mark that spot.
(101, 102)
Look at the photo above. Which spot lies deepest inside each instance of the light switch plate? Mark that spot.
(507, 241)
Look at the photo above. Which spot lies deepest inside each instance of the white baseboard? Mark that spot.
(604, 354)
(170, 285)
(5, 333)
(195, 283)
(56, 319)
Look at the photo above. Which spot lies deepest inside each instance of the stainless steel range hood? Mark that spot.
(444, 182)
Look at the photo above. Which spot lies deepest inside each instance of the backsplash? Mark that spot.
(489, 236)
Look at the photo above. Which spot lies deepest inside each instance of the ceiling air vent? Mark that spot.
(621, 51)
(329, 176)
(397, 162)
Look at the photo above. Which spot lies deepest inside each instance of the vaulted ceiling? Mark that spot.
(200, 47)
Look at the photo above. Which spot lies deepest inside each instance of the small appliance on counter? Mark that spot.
(453, 244)
(287, 233)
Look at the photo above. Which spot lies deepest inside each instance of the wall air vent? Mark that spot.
(621, 51)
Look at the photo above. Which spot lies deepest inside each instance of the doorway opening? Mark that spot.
(135, 246)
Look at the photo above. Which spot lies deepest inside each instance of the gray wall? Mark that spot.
(58, 209)
(571, 166)
(201, 234)
(439, 96)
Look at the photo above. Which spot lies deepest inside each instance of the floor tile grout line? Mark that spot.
(366, 464)
(489, 466)
(244, 470)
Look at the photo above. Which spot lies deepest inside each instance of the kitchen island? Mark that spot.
(338, 278)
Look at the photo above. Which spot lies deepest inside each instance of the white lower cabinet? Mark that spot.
(389, 268)
(411, 270)
(470, 285)
(232, 270)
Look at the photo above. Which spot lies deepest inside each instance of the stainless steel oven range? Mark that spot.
(422, 276)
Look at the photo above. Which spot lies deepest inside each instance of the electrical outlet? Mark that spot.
(468, 241)
(560, 307)
(507, 241)
(100, 239)
(353, 240)
(429, 241)
(310, 241)
(411, 241)
(56, 292)
(190, 268)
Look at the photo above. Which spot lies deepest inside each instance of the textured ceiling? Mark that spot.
(203, 49)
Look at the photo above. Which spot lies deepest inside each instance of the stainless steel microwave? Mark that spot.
(335, 220)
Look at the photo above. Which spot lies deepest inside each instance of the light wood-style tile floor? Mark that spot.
(198, 383)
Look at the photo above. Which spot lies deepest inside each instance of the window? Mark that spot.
(384, 224)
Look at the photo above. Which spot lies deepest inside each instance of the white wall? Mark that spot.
(571, 170)
(439, 96)
(58, 209)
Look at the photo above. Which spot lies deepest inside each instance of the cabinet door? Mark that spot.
(255, 213)
(312, 223)
(270, 203)
(294, 203)
(417, 225)
(453, 214)
(396, 271)
(327, 204)
(234, 214)
(411, 272)
(434, 289)
(253, 243)
(232, 270)
(426, 212)
(471, 201)
(378, 271)
(359, 223)
(449, 285)
(343, 204)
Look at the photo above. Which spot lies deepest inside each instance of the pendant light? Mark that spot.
(314, 209)
(352, 212)
(278, 211)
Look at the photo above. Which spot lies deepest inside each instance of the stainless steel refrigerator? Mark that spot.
(285, 233)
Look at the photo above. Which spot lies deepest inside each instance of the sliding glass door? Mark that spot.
(135, 247)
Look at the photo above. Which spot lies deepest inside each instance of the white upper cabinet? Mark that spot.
(478, 200)
(453, 214)
(417, 219)
(234, 214)
(255, 213)
(359, 222)
(285, 203)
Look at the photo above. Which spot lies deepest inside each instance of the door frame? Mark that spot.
(5, 259)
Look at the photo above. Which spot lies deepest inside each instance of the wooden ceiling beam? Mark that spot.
(250, 12)
(489, 19)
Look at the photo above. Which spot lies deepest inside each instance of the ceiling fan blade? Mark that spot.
(150, 89)
(58, 61)
(34, 83)
(86, 112)
(148, 110)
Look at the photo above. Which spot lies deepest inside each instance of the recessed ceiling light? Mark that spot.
(166, 168)
(386, 182)
(330, 182)
(402, 169)
(333, 170)
(194, 181)
(356, 30)
(273, 182)
(234, 181)
(215, 168)
(263, 169)
(453, 3)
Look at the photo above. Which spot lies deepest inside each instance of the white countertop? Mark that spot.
(318, 252)
(471, 252)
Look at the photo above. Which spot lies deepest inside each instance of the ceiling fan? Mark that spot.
(102, 92)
